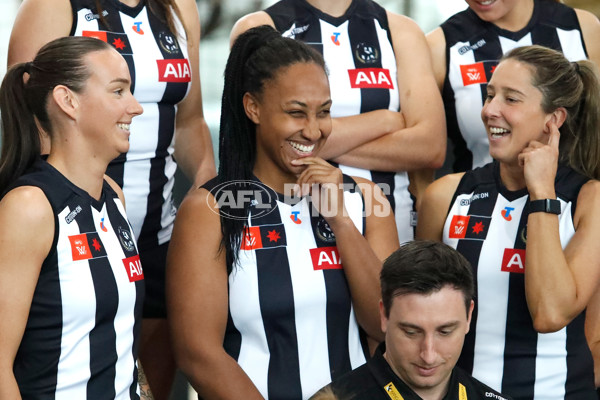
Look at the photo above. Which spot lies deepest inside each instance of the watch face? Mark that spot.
(324, 231)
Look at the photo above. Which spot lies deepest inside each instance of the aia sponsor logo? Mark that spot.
(478, 73)
(137, 28)
(506, 213)
(326, 258)
(469, 227)
(86, 246)
(335, 38)
(295, 217)
(133, 267)
(263, 237)
(513, 260)
(174, 70)
(370, 78)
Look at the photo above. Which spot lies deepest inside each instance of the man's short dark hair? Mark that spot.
(424, 267)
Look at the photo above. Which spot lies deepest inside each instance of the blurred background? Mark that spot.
(217, 18)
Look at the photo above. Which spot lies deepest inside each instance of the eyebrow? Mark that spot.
(450, 324)
(507, 90)
(120, 80)
(328, 102)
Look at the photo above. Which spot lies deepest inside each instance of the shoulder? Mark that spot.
(28, 210)
(401, 25)
(590, 29)
(249, 21)
(356, 384)
(477, 388)
(445, 186)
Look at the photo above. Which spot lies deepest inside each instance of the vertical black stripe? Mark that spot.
(520, 343)
(580, 364)
(337, 309)
(276, 298)
(546, 35)
(232, 343)
(362, 32)
(491, 51)
(471, 249)
(312, 36)
(158, 179)
(387, 183)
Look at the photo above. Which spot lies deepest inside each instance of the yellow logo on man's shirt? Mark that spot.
(391, 391)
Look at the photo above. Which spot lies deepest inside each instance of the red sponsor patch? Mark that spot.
(473, 74)
(102, 35)
(370, 78)
(458, 227)
(326, 258)
(514, 261)
(133, 267)
(252, 239)
(80, 247)
(175, 70)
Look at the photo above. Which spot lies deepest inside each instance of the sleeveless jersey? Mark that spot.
(80, 341)
(160, 73)
(291, 323)
(473, 49)
(488, 225)
(357, 48)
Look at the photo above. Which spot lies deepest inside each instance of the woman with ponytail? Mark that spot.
(273, 267)
(160, 41)
(71, 284)
(529, 223)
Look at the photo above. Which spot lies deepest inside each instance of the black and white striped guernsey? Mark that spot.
(80, 341)
(473, 49)
(161, 76)
(487, 224)
(357, 48)
(291, 324)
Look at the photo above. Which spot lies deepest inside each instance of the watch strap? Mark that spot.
(551, 206)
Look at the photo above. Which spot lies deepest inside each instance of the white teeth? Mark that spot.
(498, 131)
(487, 2)
(124, 126)
(302, 147)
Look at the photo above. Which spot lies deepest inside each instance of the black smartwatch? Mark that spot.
(551, 206)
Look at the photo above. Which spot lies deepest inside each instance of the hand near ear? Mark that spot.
(539, 162)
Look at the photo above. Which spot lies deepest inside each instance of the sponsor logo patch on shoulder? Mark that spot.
(392, 392)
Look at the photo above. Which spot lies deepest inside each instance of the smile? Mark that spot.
(498, 132)
(125, 127)
(486, 2)
(302, 148)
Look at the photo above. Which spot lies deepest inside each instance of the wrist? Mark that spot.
(551, 206)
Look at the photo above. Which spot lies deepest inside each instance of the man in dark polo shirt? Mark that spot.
(427, 302)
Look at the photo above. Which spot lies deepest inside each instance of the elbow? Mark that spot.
(437, 157)
(548, 323)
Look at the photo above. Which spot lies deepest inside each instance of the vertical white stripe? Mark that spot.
(339, 60)
(145, 54)
(571, 44)
(245, 313)
(79, 315)
(492, 294)
(551, 361)
(403, 207)
(468, 98)
(509, 44)
(83, 24)
(310, 301)
(388, 61)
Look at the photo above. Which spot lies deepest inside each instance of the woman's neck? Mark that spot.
(84, 172)
(335, 8)
(512, 177)
(518, 17)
